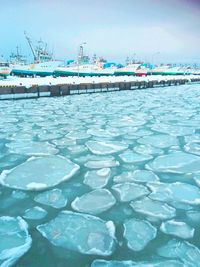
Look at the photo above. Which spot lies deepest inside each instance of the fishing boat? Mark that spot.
(130, 68)
(84, 67)
(169, 70)
(44, 64)
(5, 69)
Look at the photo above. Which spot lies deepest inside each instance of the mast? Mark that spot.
(30, 44)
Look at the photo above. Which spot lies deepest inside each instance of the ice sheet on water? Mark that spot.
(77, 149)
(78, 135)
(174, 130)
(94, 162)
(175, 193)
(144, 176)
(19, 194)
(138, 233)
(105, 148)
(176, 162)
(11, 160)
(35, 213)
(129, 191)
(126, 176)
(181, 250)
(131, 157)
(83, 233)
(98, 178)
(103, 132)
(177, 228)
(193, 147)
(31, 148)
(45, 172)
(193, 217)
(153, 209)
(94, 202)
(54, 198)
(15, 240)
(159, 140)
(148, 150)
(162, 263)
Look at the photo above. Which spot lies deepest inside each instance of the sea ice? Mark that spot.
(177, 228)
(144, 176)
(15, 240)
(101, 162)
(193, 148)
(132, 157)
(148, 150)
(175, 193)
(138, 233)
(153, 209)
(31, 148)
(54, 198)
(130, 191)
(45, 172)
(176, 162)
(159, 140)
(162, 263)
(83, 233)
(94, 202)
(181, 250)
(35, 213)
(105, 148)
(98, 178)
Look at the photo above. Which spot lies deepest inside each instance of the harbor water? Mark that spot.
(101, 180)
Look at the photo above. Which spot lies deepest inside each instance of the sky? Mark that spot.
(161, 31)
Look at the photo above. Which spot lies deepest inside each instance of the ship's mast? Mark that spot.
(30, 44)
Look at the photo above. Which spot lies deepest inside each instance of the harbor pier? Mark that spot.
(55, 87)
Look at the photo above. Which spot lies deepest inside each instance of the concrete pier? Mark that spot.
(51, 90)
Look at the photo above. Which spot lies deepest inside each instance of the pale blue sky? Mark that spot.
(112, 28)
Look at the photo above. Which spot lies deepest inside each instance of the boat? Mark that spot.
(84, 67)
(44, 64)
(129, 69)
(142, 70)
(5, 69)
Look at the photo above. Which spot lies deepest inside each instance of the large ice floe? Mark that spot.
(83, 233)
(130, 191)
(153, 209)
(177, 228)
(54, 198)
(98, 178)
(176, 162)
(138, 233)
(159, 140)
(105, 148)
(94, 202)
(132, 157)
(45, 172)
(178, 194)
(35, 213)
(128, 263)
(181, 250)
(15, 240)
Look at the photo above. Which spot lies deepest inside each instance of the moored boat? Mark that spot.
(5, 69)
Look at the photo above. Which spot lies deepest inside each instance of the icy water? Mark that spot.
(101, 180)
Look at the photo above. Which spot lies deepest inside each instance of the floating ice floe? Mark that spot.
(175, 130)
(175, 193)
(159, 140)
(131, 157)
(176, 162)
(45, 172)
(54, 198)
(193, 147)
(144, 176)
(83, 233)
(77, 149)
(32, 148)
(124, 177)
(19, 194)
(105, 148)
(103, 133)
(177, 228)
(15, 240)
(11, 160)
(181, 250)
(138, 233)
(101, 162)
(78, 135)
(98, 178)
(64, 142)
(129, 191)
(35, 213)
(94, 202)
(153, 209)
(148, 150)
(162, 263)
(193, 216)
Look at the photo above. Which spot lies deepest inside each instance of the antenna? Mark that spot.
(30, 44)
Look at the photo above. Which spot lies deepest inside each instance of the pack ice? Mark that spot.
(15, 240)
(82, 233)
(45, 172)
